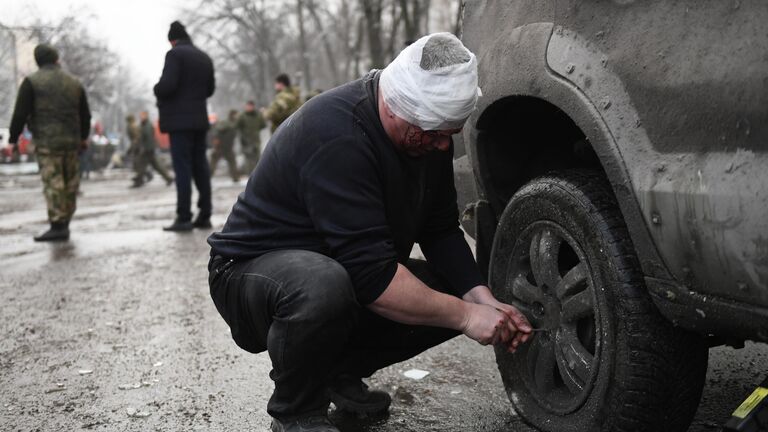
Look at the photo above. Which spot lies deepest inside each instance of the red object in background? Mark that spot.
(163, 141)
(23, 143)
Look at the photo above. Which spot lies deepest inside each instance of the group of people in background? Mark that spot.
(54, 106)
(248, 126)
(142, 150)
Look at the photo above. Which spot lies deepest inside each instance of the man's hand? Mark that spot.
(486, 325)
(517, 322)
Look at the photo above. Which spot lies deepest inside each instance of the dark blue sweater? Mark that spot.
(331, 181)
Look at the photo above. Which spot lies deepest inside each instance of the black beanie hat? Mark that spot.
(177, 31)
(45, 55)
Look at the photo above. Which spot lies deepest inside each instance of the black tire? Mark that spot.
(607, 360)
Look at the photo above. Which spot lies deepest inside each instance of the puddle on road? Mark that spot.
(25, 254)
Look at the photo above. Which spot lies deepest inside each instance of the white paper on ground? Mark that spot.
(416, 374)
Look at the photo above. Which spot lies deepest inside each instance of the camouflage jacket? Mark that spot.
(147, 141)
(286, 103)
(132, 130)
(54, 106)
(225, 131)
(250, 124)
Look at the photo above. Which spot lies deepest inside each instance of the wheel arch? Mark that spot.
(534, 101)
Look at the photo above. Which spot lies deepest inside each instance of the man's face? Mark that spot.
(416, 142)
(144, 116)
(279, 86)
(249, 107)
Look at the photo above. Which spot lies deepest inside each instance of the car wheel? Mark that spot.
(605, 359)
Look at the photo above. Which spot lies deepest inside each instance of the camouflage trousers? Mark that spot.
(61, 180)
(143, 162)
(252, 155)
(228, 154)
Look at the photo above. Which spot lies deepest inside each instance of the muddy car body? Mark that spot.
(626, 141)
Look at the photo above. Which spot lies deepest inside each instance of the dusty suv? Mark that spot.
(615, 177)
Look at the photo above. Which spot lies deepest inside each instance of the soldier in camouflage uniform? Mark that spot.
(286, 102)
(132, 130)
(223, 145)
(249, 124)
(54, 106)
(145, 156)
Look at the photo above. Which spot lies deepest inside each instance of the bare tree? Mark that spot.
(372, 10)
(333, 67)
(414, 13)
(111, 85)
(303, 54)
(324, 42)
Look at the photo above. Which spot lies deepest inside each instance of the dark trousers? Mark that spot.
(300, 306)
(190, 163)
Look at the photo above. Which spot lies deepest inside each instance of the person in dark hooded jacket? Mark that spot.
(185, 85)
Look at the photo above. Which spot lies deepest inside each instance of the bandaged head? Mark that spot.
(432, 83)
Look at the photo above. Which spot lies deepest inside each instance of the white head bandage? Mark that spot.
(437, 98)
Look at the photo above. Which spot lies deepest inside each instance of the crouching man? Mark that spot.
(313, 263)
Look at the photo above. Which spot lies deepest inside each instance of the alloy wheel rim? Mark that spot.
(549, 280)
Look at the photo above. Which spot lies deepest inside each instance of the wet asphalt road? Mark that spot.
(115, 331)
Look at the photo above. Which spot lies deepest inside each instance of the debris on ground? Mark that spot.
(415, 374)
(133, 412)
(59, 387)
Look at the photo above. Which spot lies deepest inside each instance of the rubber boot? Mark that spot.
(352, 395)
(59, 232)
(316, 423)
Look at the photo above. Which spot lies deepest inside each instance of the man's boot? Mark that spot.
(59, 231)
(202, 222)
(179, 225)
(316, 423)
(352, 395)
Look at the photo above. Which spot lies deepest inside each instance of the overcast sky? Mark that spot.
(135, 29)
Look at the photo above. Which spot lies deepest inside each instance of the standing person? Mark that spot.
(134, 150)
(55, 107)
(286, 102)
(225, 132)
(187, 82)
(249, 124)
(86, 162)
(146, 154)
(313, 263)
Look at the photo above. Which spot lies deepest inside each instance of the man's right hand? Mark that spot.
(487, 325)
